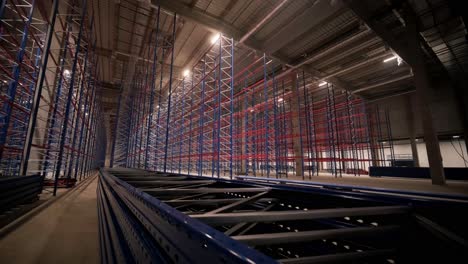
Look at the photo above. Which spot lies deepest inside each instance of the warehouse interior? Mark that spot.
(233, 131)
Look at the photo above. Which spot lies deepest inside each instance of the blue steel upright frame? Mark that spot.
(153, 91)
(36, 100)
(60, 134)
(58, 166)
(168, 114)
(22, 46)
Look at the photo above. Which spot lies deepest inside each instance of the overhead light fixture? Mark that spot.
(157, 106)
(456, 137)
(390, 59)
(215, 38)
(5, 81)
(66, 73)
(280, 100)
(186, 73)
(323, 83)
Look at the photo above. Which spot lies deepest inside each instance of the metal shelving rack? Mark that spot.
(171, 217)
(143, 110)
(72, 106)
(183, 124)
(259, 120)
(22, 37)
(51, 118)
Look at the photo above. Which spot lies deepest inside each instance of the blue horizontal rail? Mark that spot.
(135, 227)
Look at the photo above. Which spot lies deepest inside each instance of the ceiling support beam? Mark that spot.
(211, 22)
(122, 56)
(380, 84)
(263, 21)
(341, 43)
(148, 31)
(365, 14)
(412, 53)
(320, 76)
(199, 16)
(302, 23)
(218, 25)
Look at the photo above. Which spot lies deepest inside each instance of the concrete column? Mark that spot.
(423, 104)
(412, 129)
(374, 154)
(296, 126)
(461, 97)
(243, 140)
(319, 164)
(372, 141)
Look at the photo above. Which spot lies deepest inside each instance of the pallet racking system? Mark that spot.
(226, 117)
(22, 44)
(246, 117)
(51, 118)
(172, 217)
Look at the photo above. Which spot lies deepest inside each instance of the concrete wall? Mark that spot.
(446, 116)
(447, 121)
(453, 152)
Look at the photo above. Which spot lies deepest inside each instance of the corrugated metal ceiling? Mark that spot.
(297, 32)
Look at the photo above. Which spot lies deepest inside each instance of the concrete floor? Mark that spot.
(67, 230)
(64, 232)
(404, 184)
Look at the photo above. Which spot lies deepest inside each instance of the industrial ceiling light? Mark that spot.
(456, 137)
(67, 73)
(215, 38)
(390, 59)
(186, 73)
(399, 61)
(280, 100)
(323, 83)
